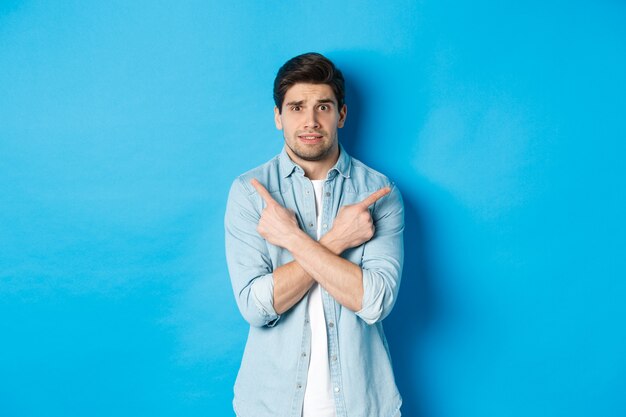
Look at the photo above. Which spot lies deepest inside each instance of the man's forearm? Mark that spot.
(317, 262)
(291, 281)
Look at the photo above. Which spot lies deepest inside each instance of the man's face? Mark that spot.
(309, 121)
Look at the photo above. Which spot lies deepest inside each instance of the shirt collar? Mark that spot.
(342, 166)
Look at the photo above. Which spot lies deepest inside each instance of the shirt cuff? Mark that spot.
(373, 298)
(263, 295)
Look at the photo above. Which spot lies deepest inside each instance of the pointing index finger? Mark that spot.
(265, 195)
(375, 196)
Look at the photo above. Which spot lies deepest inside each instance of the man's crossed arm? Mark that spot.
(317, 261)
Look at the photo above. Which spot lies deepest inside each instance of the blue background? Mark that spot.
(122, 125)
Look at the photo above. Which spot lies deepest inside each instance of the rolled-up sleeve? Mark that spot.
(383, 258)
(249, 263)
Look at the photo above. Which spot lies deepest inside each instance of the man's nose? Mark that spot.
(311, 121)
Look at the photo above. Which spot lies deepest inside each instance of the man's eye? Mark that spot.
(295, 108)
(323, 107)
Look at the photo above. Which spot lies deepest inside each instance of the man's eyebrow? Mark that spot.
(301, 102)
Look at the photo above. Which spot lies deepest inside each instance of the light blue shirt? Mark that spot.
(273, 373)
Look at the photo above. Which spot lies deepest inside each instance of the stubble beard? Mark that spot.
(311, 153)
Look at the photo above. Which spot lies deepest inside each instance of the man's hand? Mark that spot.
(353, 224)
(277, 224)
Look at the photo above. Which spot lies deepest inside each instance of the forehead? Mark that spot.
(309, 92)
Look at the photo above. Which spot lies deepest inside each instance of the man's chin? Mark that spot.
(312, 156)
(310, 153)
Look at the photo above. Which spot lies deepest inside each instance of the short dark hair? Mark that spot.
(311, 68)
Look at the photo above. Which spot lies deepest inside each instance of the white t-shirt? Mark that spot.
(318, 396)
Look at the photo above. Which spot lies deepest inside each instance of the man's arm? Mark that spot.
(317, 261)
(249, 263)
(263, 291)
(382, 259)
(352, 227)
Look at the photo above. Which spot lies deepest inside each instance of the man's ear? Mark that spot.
(342, 116)
(277, 119)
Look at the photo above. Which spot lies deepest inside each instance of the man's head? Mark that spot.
(309, 96)
(309, 68)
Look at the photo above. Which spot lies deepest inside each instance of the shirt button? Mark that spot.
(325, 225)
(304, 354)
(299, 386)
(310, 224)
(331, 324)
(327, 194)
(333, 358)
(336, 389)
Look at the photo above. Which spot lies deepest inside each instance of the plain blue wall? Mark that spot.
(122, 125)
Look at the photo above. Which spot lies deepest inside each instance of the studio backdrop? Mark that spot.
(123, 124)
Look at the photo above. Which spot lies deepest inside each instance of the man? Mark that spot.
(315, 249)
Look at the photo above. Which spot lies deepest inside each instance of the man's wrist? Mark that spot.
(295, 240)
(332, 244)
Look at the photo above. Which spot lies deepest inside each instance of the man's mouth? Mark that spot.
(310, 137)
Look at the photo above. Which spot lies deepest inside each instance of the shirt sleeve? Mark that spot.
(383, 257)
(247, 256)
